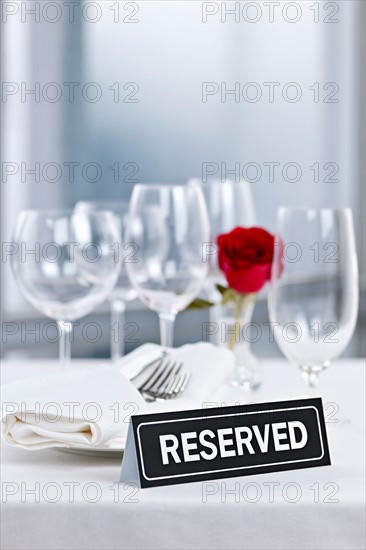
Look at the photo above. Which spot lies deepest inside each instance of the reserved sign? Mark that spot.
(206, 444)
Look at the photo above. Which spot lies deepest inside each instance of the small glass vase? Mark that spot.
(234, 330)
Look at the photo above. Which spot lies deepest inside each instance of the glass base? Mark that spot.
(310, 373)
(245, 379)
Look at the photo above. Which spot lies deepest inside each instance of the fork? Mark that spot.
(165, 382)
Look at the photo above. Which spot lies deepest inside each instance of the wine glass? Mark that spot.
(168, 225)
(123, 291)
(230, 204)
(313, 300)
(66, 264)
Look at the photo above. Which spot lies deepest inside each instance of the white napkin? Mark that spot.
(76, 409)
(91, 408)
(208, 364)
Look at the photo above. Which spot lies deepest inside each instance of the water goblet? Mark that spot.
(66, 264)
(313, 300)
(169, 227)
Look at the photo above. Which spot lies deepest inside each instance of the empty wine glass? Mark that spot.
(168, 225)
(123, 291)
(229, 204)
(66, 264)
(313, 300)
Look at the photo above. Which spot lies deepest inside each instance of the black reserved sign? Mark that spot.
(205, 444)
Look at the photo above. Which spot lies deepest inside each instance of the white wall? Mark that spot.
(170, 132)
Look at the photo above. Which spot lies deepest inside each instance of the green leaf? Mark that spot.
(198, 303)
(221, 289)
(229, 295)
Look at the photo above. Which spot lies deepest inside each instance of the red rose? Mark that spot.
(245, 256)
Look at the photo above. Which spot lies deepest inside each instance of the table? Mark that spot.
(52, 499)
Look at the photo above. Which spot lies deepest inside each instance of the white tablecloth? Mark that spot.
(77, 503)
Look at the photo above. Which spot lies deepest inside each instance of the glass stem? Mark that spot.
(166, 329)
(214, 312)
(311, 377)
(118, 309)
(65, 343)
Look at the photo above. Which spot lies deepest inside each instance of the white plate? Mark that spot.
(115, 450)
(117, 446)
(93, 451)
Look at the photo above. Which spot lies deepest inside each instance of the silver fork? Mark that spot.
(165, 382)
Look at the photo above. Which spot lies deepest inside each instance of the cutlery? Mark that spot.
(148, 365)
(165, 382)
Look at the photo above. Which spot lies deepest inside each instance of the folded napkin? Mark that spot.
(76, 409)
(208, 364)
(91, 408)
